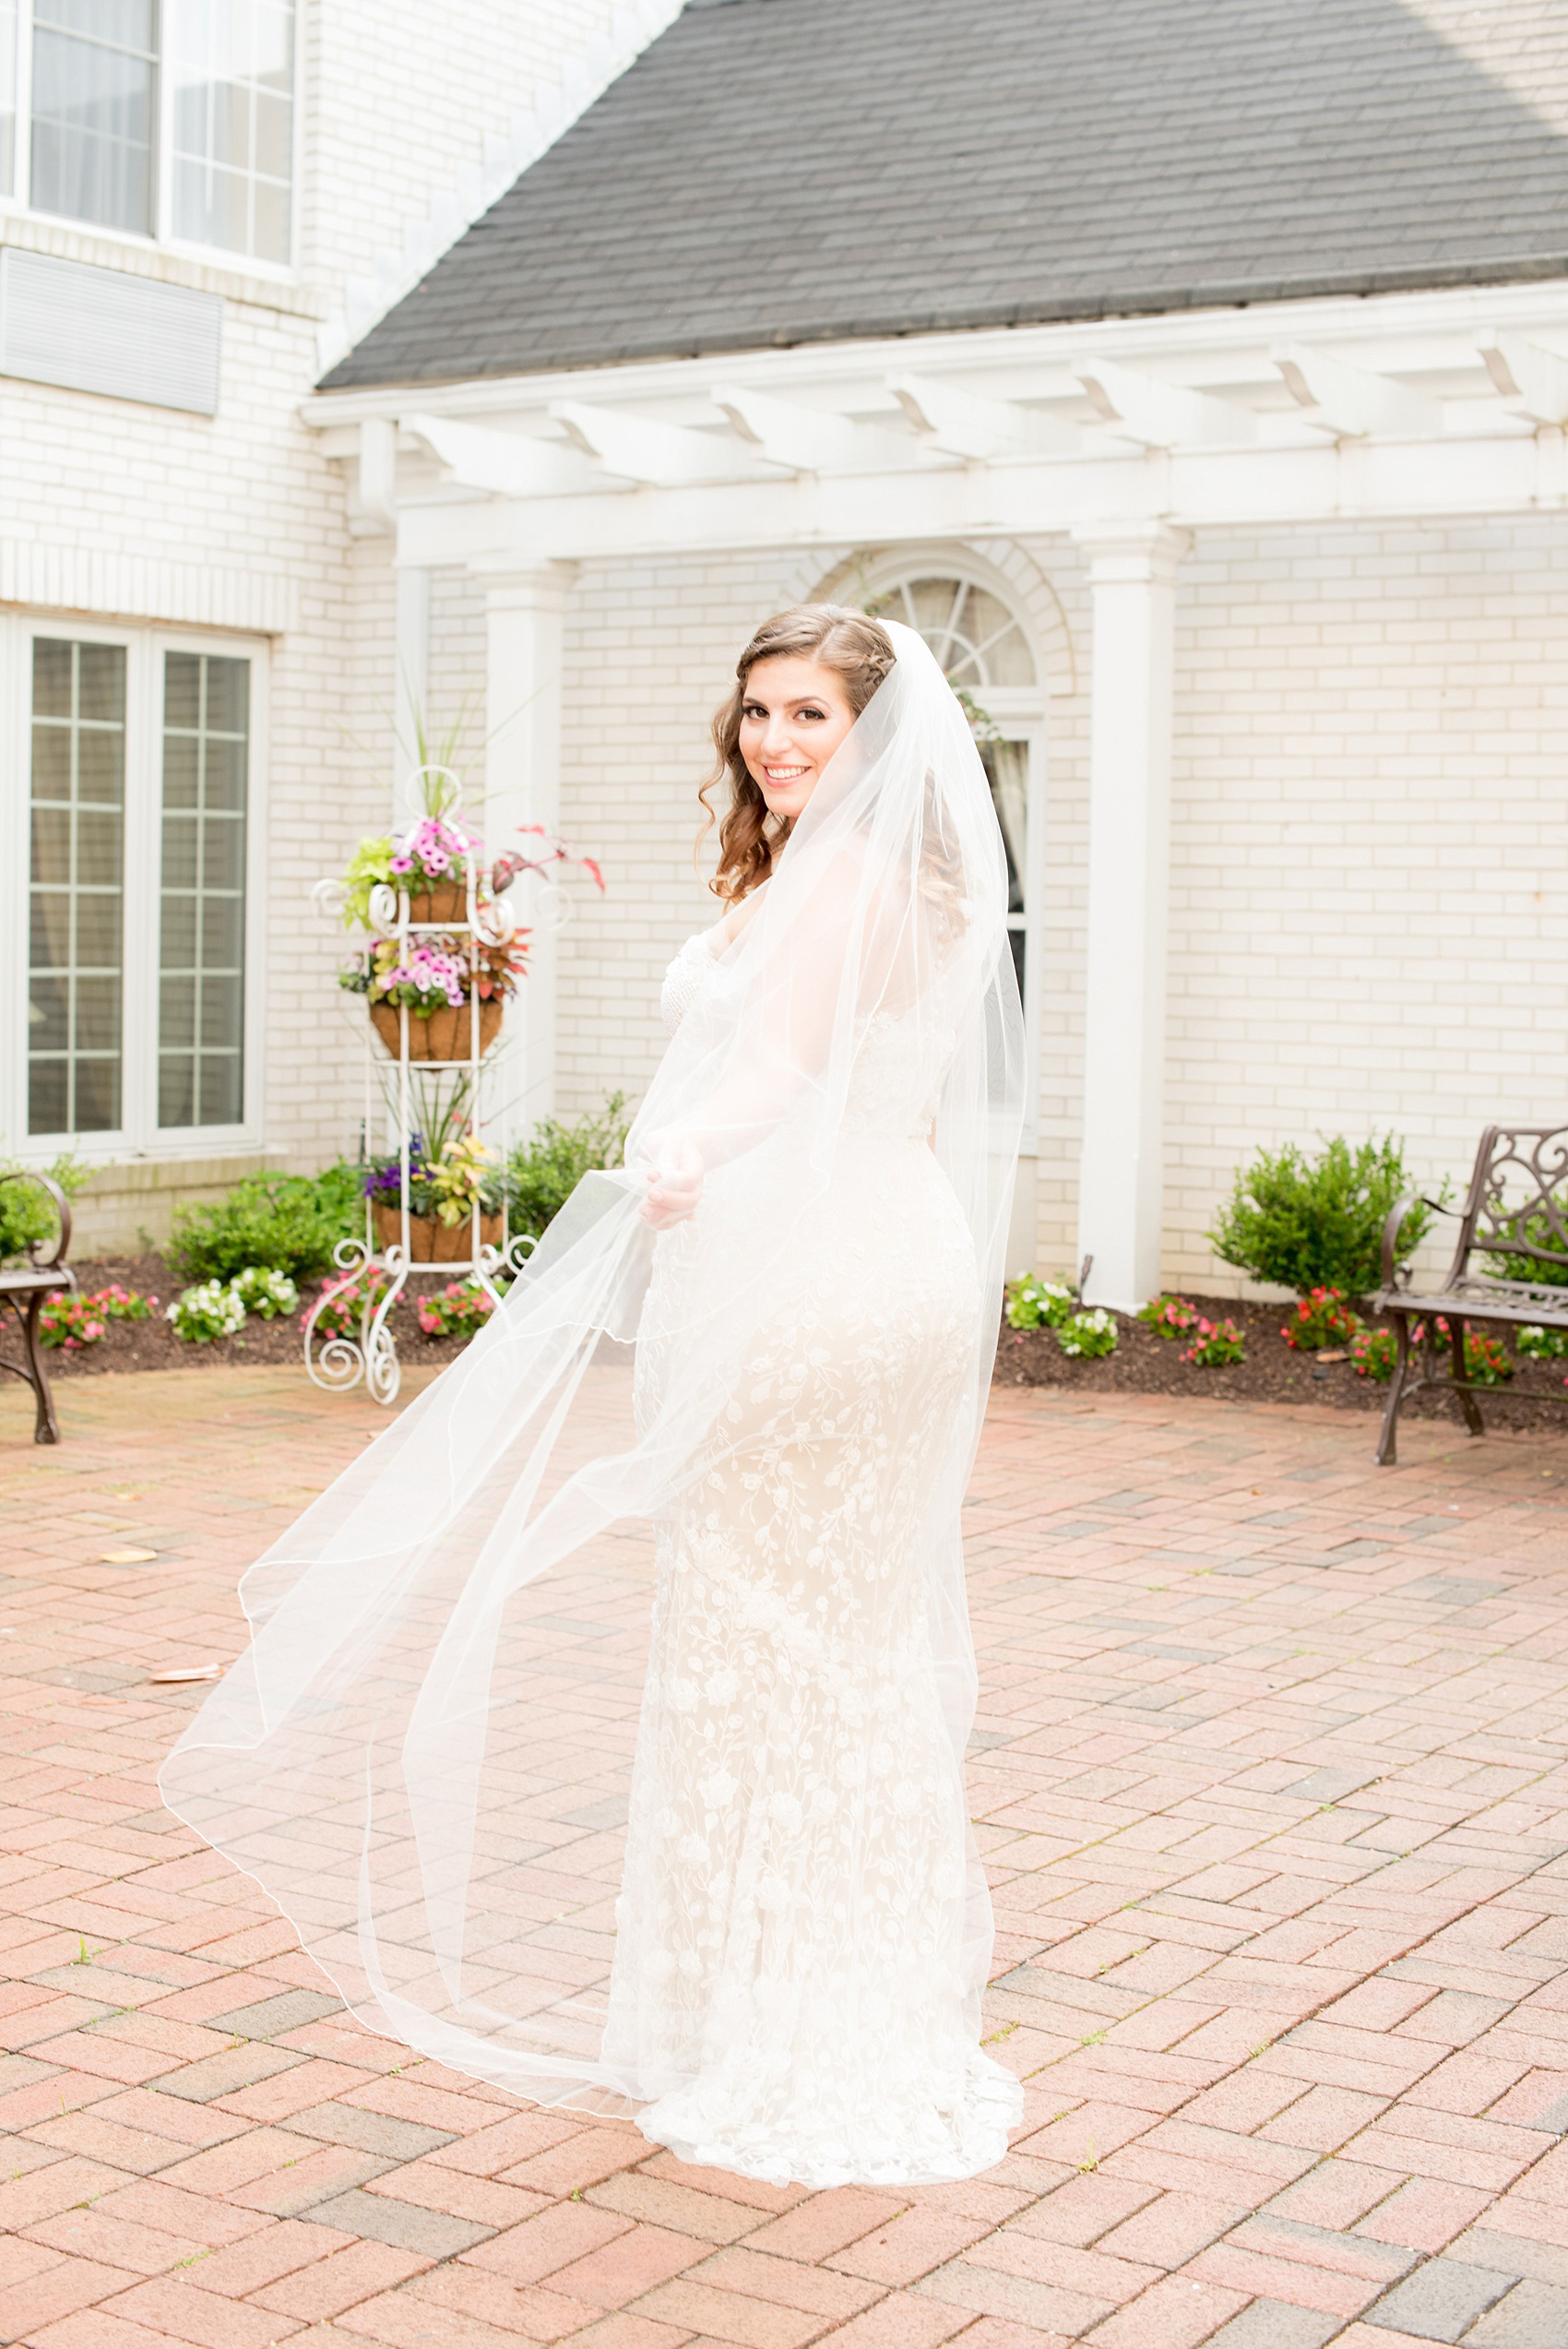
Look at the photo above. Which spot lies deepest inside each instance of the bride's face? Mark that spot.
(792, 719)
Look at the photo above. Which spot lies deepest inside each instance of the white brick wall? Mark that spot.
(1369, 863)
(409, 115)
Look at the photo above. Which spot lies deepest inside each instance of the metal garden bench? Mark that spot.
(24, 1287)
(1515, 1214)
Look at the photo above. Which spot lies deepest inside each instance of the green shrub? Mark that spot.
(1168, 1316)
(289, 1223)
(1216, 1345)
(1089, 1335)
(1317, 1223)
(543, 1174)
(1033, 1304)
(26, 1213)
(1536, 1232)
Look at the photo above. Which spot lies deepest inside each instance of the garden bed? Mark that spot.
(1272, 1373)
(152, 1345)
(1142, 1364)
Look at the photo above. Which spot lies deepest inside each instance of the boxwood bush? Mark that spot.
(1308, 1223)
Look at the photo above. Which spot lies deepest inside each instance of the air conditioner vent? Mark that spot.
(129, 337)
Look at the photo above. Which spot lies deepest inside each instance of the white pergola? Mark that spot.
(1128, 437)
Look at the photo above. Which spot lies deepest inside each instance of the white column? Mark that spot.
(1121, 1180)
(525, 613)
(410, 696)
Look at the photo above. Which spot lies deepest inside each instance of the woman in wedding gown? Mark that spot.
(805, 1246)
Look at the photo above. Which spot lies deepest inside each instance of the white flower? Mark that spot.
(906, 1798)
(772, 1894)
(718, 1790)
(825, 1802)
(722, 1687)
(784, 1812)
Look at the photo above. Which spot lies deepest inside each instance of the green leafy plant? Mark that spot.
(73, 1320)
(206, 1310)
(457, 1311)
(1034, 1304)
(1168, 1316)
(1374, 1353)
(1323, 1319)
(1488, 1362)
(1310, 1224)
(288, 1222)
(268, 1294)
(1536, 1232)
(341, 1314)
(1540, 1345)
(541, 1175)
(466, 1176)
(1216, 1344)
(1087, 1335)
(27, 1212)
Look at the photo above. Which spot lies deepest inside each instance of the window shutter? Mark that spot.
(90, 330)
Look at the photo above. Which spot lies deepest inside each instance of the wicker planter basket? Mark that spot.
(447, 902)
(447, 1035)
(430, 1242)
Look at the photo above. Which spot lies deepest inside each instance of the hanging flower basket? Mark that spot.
(447, 1035)
(447, 902)
(430, 1241)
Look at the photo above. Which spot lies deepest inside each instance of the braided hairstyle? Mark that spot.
(860, 653)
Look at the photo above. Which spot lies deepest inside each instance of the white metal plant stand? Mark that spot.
(373, 1271)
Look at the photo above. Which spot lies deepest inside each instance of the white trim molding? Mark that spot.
(134, 586)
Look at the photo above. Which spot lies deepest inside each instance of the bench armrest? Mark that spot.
(1391, 1269)
(62, 1209)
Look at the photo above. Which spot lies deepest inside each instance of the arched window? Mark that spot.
(978, 642)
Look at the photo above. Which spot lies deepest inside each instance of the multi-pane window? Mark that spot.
(165, 120)
(75, 990)
(94, 111)
(233, 129)
(202, 947)
(137, 1020)
(7, 95)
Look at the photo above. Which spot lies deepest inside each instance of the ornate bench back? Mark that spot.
(1517, 1205)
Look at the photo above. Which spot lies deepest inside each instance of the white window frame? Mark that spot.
(139, 1137)
(162, 238)
(1020, 713)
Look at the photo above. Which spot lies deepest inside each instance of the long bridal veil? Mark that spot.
(425, 1753)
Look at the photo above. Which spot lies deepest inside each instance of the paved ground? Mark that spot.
(1271, 1766)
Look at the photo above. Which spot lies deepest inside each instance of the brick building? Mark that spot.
(1196, 373)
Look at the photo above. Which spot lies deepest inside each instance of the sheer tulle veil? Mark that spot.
(423, 1755)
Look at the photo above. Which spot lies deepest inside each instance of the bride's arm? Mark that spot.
(784, 1050)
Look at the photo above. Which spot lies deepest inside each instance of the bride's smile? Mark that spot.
(794, 716)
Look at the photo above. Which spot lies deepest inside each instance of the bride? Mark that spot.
(452, 1696)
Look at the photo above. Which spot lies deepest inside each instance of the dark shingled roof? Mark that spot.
(775, 172)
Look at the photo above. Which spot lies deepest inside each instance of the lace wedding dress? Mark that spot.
(451, 1703)
(799, 1959)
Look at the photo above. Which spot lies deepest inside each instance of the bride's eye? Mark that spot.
(811, 714)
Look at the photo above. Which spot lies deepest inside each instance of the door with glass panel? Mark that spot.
(139, 807)
(76, 957)
(201, 962)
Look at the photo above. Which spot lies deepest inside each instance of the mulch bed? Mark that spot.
(152, 1345)
(1272, 1373)
(1142, 1364)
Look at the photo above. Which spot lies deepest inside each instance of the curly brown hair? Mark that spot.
(860, 651)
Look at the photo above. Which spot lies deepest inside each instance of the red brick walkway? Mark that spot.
(1271, 1775)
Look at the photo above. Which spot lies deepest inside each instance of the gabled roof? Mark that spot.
(777, 172)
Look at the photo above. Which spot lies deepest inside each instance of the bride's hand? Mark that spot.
(674, 1185)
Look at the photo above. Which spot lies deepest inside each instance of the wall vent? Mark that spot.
(130, 338)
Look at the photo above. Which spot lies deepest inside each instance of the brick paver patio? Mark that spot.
(1271, 1778)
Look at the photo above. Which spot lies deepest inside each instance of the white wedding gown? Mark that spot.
(802, 1930)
